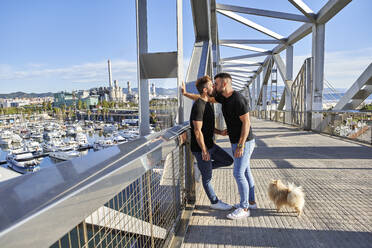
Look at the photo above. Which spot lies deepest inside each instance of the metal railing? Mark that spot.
(354, 125)
(130, 195)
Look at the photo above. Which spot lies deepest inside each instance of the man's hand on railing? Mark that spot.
(182, 138)
(183, 88)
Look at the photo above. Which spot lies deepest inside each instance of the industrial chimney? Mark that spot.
(109, 71)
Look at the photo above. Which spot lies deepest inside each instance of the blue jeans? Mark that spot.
(219, 158)
(243, 175)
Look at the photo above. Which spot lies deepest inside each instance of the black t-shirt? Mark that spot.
(233, 107)
(202, 111)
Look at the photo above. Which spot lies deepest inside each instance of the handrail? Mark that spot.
(37, 209)
(348, 124)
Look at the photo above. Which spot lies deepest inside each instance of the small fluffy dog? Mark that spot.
(290, 195)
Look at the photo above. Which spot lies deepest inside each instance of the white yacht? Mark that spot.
(70, 143)
(118, 139)
(103, 143)
(23, 162)
(130, 134)
(64, 155)
(6, 137)
(34, 147)
(53, 145)
(16, 138)
(82, 140)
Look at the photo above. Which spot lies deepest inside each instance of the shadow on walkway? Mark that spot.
(277, 237)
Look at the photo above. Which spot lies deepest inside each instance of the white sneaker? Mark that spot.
(251, 206)
(238, 214)
(220, 205)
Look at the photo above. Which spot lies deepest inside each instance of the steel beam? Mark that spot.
(250, 24)
(239, 74)
(318, 70)
(325, 13)
(301, 6)
(240, 80)
(246, 56)
(358, 92)
(260, 12)
(251, 41)
(201, 19)
(198, 67)
(241, 70)
(237, 83)
(201, 62)
(289, 78)
(330, 9)
(249, 48)
(237, 88)
(180, 61)
(215, 38)
(282, 69)
(265, 79)
(253, 96)
(143, 84)
(258, 88)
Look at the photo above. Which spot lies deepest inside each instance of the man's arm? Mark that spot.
(194, 96)
(220, 132)
(246, 124)
(200, 139)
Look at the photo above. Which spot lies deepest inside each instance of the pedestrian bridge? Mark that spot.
(336, 175)
(143, 193)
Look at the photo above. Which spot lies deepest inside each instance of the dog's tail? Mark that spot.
(296, 196)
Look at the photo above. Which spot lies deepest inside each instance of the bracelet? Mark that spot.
(240, 146)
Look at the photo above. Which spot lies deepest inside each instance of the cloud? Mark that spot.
(97, 72)
(341, 68)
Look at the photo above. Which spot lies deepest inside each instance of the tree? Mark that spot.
(105, 104)
(49, 106)
(80, 104)
(44, 106)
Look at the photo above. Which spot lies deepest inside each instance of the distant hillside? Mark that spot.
(172, 92)
(20, 94)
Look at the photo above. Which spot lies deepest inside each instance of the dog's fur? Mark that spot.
(290, 195)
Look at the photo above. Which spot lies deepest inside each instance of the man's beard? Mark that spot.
(216, 93)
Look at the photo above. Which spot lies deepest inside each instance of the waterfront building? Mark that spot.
(114, 91)
(72, 99)
(131, 96)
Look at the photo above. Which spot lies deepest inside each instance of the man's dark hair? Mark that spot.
(223, 75)
(201, 83)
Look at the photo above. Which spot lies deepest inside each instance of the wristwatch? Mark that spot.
(240, 146)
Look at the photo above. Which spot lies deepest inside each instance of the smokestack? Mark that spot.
(109, 71)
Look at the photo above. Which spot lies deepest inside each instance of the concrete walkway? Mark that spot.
(336, 176)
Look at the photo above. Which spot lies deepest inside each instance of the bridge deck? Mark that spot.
(336, 176)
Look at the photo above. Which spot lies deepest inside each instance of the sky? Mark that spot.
(50, 46)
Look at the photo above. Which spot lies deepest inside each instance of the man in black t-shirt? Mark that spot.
(208, 155)
(235, 109)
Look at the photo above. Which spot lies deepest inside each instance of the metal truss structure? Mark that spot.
(249, 77)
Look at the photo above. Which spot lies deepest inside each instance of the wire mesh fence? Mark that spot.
(144, 214)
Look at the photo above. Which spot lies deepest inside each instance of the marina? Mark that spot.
(28, 147)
